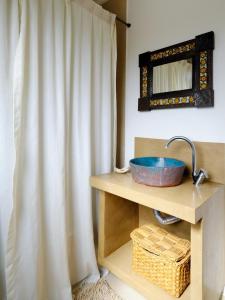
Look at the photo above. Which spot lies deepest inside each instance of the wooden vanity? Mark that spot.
(125, 205)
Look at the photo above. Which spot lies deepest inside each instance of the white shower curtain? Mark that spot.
(64, 106)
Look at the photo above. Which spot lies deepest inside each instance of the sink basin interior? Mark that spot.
(158, 162)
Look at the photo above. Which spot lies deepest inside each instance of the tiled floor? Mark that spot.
(123, 290)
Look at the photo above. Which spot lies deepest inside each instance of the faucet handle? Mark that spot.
(204, 172)
(202, 175)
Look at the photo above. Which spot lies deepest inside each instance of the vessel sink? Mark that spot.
(157, 171)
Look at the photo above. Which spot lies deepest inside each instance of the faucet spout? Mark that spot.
(197, 175)
(194, 164)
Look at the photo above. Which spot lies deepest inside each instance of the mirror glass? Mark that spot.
(173, 76)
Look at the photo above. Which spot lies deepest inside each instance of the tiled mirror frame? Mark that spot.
(200, 50)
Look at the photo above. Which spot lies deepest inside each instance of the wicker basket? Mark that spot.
(162, 258)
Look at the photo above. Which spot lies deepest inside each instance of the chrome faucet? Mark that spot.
(198, 175)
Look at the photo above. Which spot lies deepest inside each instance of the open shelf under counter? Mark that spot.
(126, 205)
(185, 201)
(119, 263)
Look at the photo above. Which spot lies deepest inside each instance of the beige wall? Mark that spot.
(119, 7)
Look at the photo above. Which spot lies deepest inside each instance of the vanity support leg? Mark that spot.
(208, 251)
(196, 261)
(101, 226)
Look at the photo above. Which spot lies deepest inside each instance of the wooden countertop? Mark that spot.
(185, 201)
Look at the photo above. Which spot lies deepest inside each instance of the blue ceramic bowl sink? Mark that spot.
(157, 171)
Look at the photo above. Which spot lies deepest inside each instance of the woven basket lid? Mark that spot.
(161, 243)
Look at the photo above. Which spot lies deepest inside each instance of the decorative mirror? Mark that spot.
(178, 76)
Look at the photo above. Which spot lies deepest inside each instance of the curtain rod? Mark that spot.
(123, 22)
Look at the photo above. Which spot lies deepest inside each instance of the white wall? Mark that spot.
(160, 23)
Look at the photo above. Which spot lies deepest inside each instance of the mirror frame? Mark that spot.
(200, 50)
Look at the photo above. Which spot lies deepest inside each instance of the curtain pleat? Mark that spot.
(9, 33)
